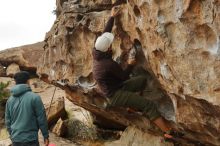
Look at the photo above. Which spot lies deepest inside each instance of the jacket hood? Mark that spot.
(98, 55)
(20, 89)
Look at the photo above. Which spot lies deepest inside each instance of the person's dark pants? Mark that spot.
(32, 143)
(126, 97)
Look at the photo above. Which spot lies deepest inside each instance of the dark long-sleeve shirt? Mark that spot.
(108, 73)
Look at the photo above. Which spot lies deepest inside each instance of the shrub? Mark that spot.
(4, 93)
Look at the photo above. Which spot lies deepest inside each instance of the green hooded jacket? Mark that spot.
(25, 115)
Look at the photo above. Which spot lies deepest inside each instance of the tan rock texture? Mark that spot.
(12, 69)
(55, 111)
(134, 137)
(59, 129)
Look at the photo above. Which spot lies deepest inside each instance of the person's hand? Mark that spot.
(46, 142)
(132, 61)
(115, 11)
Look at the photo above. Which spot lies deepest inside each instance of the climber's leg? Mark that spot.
(129, 99)
(139, 70)
(138, 80)
(135, 84)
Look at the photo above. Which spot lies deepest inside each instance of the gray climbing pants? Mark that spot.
(127, 97)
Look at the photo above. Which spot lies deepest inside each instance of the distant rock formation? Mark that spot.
(27, 57)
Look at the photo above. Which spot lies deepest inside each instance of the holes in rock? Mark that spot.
(140, 57)
(204, 38)
(137, 11)
(205, 54)
(88, 22)
(105, 1)
(177, 36)
(69, 29)
(79, 17)
(138, 30)
(158, 1)
(145, 9)
(80, 6)
(86, 82)
(158, 53)
(137, 44)
(194, 6)
(161, 16)
(119, 2)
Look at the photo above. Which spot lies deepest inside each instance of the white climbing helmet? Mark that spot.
(104, 41)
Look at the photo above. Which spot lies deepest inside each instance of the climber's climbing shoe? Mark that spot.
(172, 135)
(176, 134)
(179, 139)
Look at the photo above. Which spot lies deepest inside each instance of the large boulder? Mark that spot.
(27, 57)
(134, 137)
(60, 129)
(55, 110)
(180, 43)
(12, 69)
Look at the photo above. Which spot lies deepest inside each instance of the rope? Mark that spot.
(51, 101)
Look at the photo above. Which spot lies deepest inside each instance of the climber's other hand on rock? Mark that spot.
(115, 11)
(132, 61)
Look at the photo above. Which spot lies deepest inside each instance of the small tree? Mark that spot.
(4, 93)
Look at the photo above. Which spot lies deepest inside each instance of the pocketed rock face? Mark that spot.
(180, 40)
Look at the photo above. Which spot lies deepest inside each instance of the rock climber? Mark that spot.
(117, 86)
(25, 114)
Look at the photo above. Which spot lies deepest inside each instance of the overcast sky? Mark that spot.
(25, 21)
